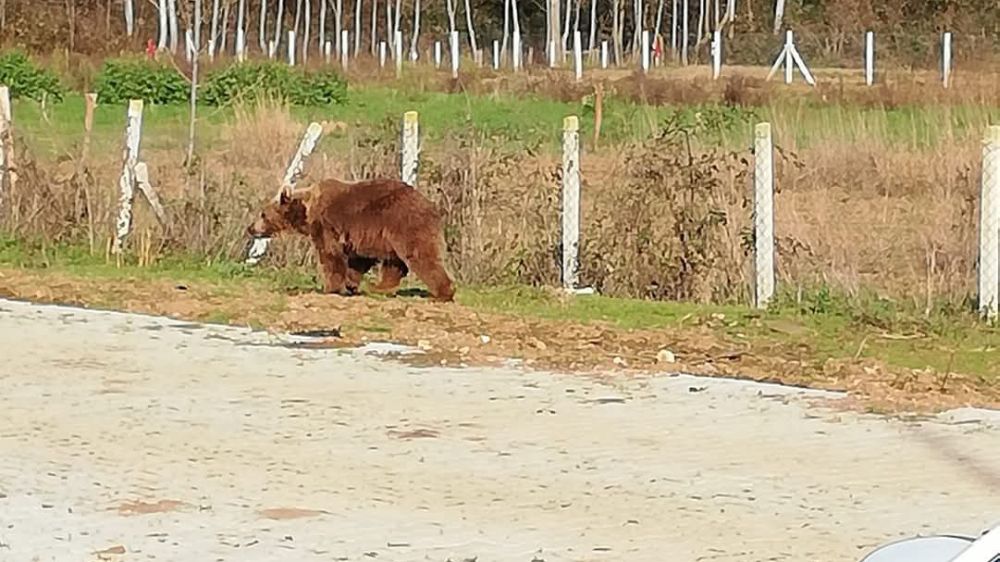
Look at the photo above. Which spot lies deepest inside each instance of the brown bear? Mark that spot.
(355, 225)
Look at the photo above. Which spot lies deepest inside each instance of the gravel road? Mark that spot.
(128, 437)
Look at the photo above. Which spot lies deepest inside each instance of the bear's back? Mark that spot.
(383, 202)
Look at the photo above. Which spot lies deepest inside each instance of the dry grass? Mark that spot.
(662, 218)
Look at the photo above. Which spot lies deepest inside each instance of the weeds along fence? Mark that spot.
(673, 216)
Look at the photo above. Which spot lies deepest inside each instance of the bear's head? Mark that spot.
(283, 213)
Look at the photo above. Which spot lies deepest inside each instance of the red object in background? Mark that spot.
(150, 48)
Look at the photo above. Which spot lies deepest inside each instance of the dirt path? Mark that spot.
(173, 441)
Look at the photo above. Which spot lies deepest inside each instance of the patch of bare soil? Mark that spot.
(285, 513)
(146, 508)
(451, 334)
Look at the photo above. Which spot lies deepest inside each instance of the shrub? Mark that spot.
(24, 79)
(249, 82)
(121, 80)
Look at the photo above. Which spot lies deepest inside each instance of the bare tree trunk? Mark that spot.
(657, 31)
(399, 16)
(164, 26)
(214, 37)
(701, 22)
(616, 32)
(374, 25)
(279, 24)
(298, 17)
(129, 17)
(71, 21)
(718, 17)
(506, 28)
(321, 34)
(554, 20)
(262, 27)
(390, 33)
(637, 26)
(305, 31)
(450, 6)
(472, 28)
(3, 14)
(731, 15)
(194, 82)
(593, 25)
(684, 33)
(195, 22)
(565, 32)
(241, 25)
(224, 32)
(415, 38)
(673, 27)
(514, 16)
(357, 27)
(779, 15)
(172, 19)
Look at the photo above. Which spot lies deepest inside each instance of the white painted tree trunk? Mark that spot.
(450, 6)
(241, 30)
(472, 28)
(398, 18)
(214, 37)
(684, 33)
(374, 26)
(322, 28)
(357, 27)
(129, 17)
(516, 44)
(279, 24)
(415, 37)
(390, 31)
(658, 30)
(506, 28)
(173, 24)
(779, 15)
(262, 27)
(564, 38)
(637, 20)
(224, 32)
(196, 35)
(306, 29)
(164, 27)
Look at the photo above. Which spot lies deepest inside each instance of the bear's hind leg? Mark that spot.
(393, 271)
(357, 266)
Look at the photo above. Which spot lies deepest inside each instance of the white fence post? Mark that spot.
(989, 226)
(6, 143)
(496, 54)
(577, 56)
(604, 54)
(381, 54)
(345, 50)
(716, 54)
(789, 63)
(763, 211)
(410, 155)
(292, 175)
(291, 47)
(869, 58)
(552, 54)
(397, 52)
(127, 181)
(946, 59)
(437, 54)
(328, 51)
(454, 54)
(241, 45)
(570, 202)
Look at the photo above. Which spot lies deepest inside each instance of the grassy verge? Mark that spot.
(816, 340)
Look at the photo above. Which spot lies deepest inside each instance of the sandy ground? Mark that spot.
(128, 437)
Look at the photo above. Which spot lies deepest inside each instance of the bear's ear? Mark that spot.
(285, 195)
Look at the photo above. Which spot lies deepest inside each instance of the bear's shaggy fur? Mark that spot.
(353, 226)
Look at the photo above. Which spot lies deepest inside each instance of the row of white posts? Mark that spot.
(789, 57)
(135, 176)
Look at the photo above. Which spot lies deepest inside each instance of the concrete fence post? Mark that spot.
(869, 58)
(127, 181)
(989, 226)
(763, 215)
(570, 202)
(454, 54)
(8, 177)
(410, 154)
(292, 174)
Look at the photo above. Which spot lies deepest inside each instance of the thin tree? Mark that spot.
(224, 32)
(565, 32)
(517, 25)
(279, 22)
(357, 27)
(240, 26)
(685, 39)
(172, 20)
(322, 30)
(398, 25)
(262, 27)
(616, 30)
(779, 14)
(415, 38)
(659, 19)
(450, 6)
(637, 24)
(506, 28)
(374, 25)
(194, 82)
(305, 31)
(129, 17)
(390, 32)
(164, 28)
(472, 29)
(673, 28)
(214, 36)
(593, 25)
